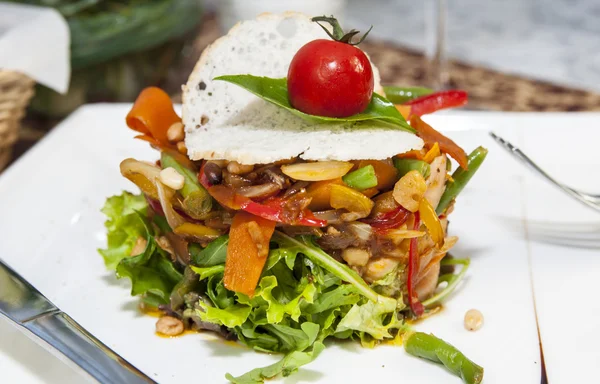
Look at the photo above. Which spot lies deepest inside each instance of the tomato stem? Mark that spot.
(338, 33)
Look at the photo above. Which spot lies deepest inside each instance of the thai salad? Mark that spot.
(293, 205)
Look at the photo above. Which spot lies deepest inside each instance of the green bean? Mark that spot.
(437, 350)
(406, 165)
(362, 178)
(197, 202)
(400, 95)
(460, 178)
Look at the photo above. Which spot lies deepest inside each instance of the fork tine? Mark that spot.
(588, 201)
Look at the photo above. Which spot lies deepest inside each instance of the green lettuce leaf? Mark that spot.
(151, 272)
(276, 310)
(275, 91)
(123, 226)
(374, 318)
(286, 366)
(233, 316)
(153, 275)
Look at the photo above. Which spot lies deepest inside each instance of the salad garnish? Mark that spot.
(286, 254)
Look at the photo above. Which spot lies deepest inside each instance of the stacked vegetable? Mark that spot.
(282, 256)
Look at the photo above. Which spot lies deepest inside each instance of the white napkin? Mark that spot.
(35, 41)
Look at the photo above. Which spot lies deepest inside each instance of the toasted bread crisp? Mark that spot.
(225, 122)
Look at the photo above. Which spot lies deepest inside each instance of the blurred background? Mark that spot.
(510, 55)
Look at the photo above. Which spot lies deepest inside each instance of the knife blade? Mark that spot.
(26, 306)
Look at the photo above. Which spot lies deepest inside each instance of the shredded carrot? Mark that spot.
(247, 252)
(430, 136)
(152, 114)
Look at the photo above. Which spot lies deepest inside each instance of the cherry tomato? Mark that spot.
(330, 78)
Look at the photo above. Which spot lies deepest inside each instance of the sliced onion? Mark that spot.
(165, 196)
(235, 181)
(259, 191)
(141, 174)
(332, 216)
(180, 246)
(362, 231)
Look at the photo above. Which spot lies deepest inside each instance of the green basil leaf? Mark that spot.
(275, 91)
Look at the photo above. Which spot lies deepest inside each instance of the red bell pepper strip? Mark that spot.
(413, 266)
(436, 101)
(271, 209)
(389, 220)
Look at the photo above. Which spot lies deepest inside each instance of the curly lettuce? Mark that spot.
(152, 273)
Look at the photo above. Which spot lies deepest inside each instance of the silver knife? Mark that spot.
(26, 306)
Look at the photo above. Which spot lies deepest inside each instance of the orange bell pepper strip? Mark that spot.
(247, 252)
(151, 115)
(387, 175)
(320, 192)
(430, 136)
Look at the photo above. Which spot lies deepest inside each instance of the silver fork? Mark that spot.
(589, 200)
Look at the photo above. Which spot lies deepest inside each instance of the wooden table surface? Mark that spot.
(488, 89)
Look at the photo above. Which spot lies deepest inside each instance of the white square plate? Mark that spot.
(51, 227)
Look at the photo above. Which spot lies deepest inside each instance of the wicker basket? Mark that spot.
(16, 90)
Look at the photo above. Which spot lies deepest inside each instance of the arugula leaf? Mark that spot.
(214, 253)
(286, 366)
(275, 91)
(207, 272)
(123, 225)
(345, 294)
(322, 259)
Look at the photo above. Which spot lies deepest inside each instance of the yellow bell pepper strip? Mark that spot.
(152, 115)
(197, 230)
(247, 252)
(343, 197)
(433, 152)
(320, 193)
(432, 222)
